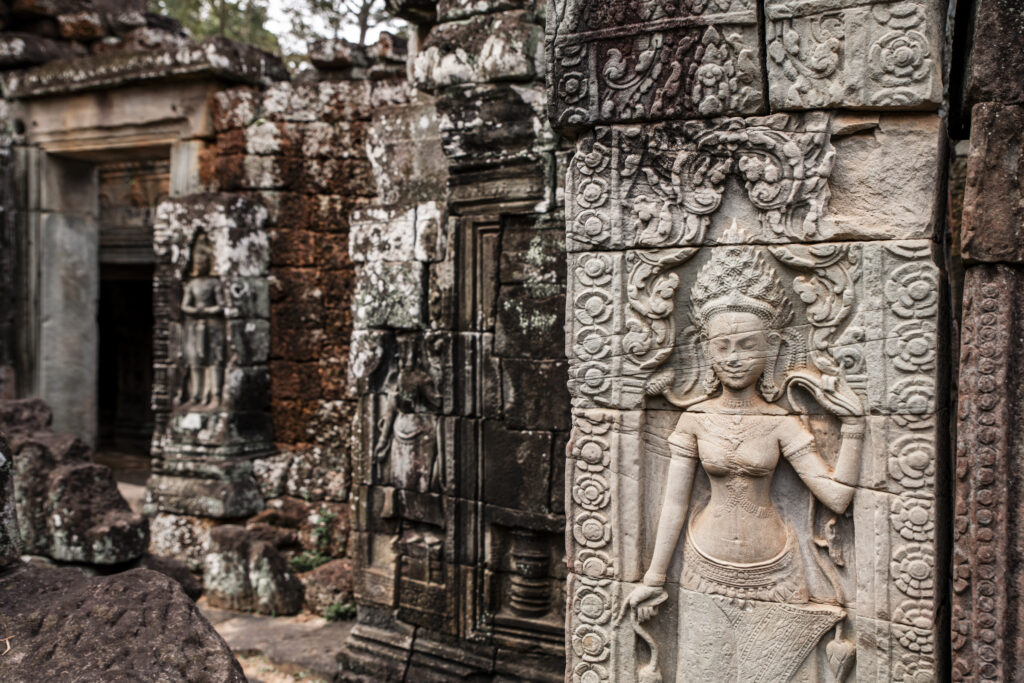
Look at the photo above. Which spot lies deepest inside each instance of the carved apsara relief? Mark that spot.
(754, 449)
(202, 308)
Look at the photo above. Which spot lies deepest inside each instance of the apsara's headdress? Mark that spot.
(737, 278)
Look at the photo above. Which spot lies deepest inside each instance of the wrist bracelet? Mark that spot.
(656, 580)
(852, 431)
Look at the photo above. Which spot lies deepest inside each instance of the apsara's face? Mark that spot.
(738, 345)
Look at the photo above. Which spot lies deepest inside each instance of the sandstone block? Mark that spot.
(180, 537)
(838, 169)
(993, 215)
(506, 46)
(242, 573)
(403, 146)
(533, 394)
(10, 538)
(20, 50)
(328, 584)
(519, 482)
(82, 26)
(529, 321)
(389, 294)
(69, 508)
(997, 53)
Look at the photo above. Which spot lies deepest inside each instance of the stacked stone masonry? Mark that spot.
(689, 214)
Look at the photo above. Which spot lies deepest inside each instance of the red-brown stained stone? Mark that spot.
(291, 419)
(339, 287)
(297, 344)
(993, 217)
(293, 248)
(329, 213)
(332, 251)
(292, 285)
(231, 142)
(988, 613)
(292, 380)
(333, 371)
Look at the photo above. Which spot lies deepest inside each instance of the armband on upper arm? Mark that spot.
(683, 445)
(800, 451)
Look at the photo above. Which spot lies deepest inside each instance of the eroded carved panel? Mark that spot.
(211, 387)
(646, 61)
(854, 53)
(757, 437)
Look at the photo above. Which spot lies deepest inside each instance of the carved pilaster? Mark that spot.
(672, 229)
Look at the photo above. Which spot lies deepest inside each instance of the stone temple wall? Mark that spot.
(757, 473)
(290, 162)
(459, 362)
(606, 341)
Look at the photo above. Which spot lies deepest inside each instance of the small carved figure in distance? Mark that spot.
(203, 307)
(743, 587)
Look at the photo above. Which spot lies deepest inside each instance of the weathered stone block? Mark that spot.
(403, 146)
(534, 395)
(389, 294)
(10, 537)
(532, 255)
(328, 584)
(689, 60)
(25, 49)
(83, 25)
(234, 108)
(843, 54)
(453, 10)
(997, 53)
(993, 215)
(379, 234)
(506, 46)
(135, 625)
(530, 321)
(69, 508)
(242, 573)
(517, 465)
(182, 537)
(216, 56)
(468, 136)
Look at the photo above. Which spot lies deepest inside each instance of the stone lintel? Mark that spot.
(214, 57)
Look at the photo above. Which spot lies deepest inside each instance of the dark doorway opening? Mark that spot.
(129, 191)
(126, 358)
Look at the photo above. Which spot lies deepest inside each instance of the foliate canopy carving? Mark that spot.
(658, 186)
